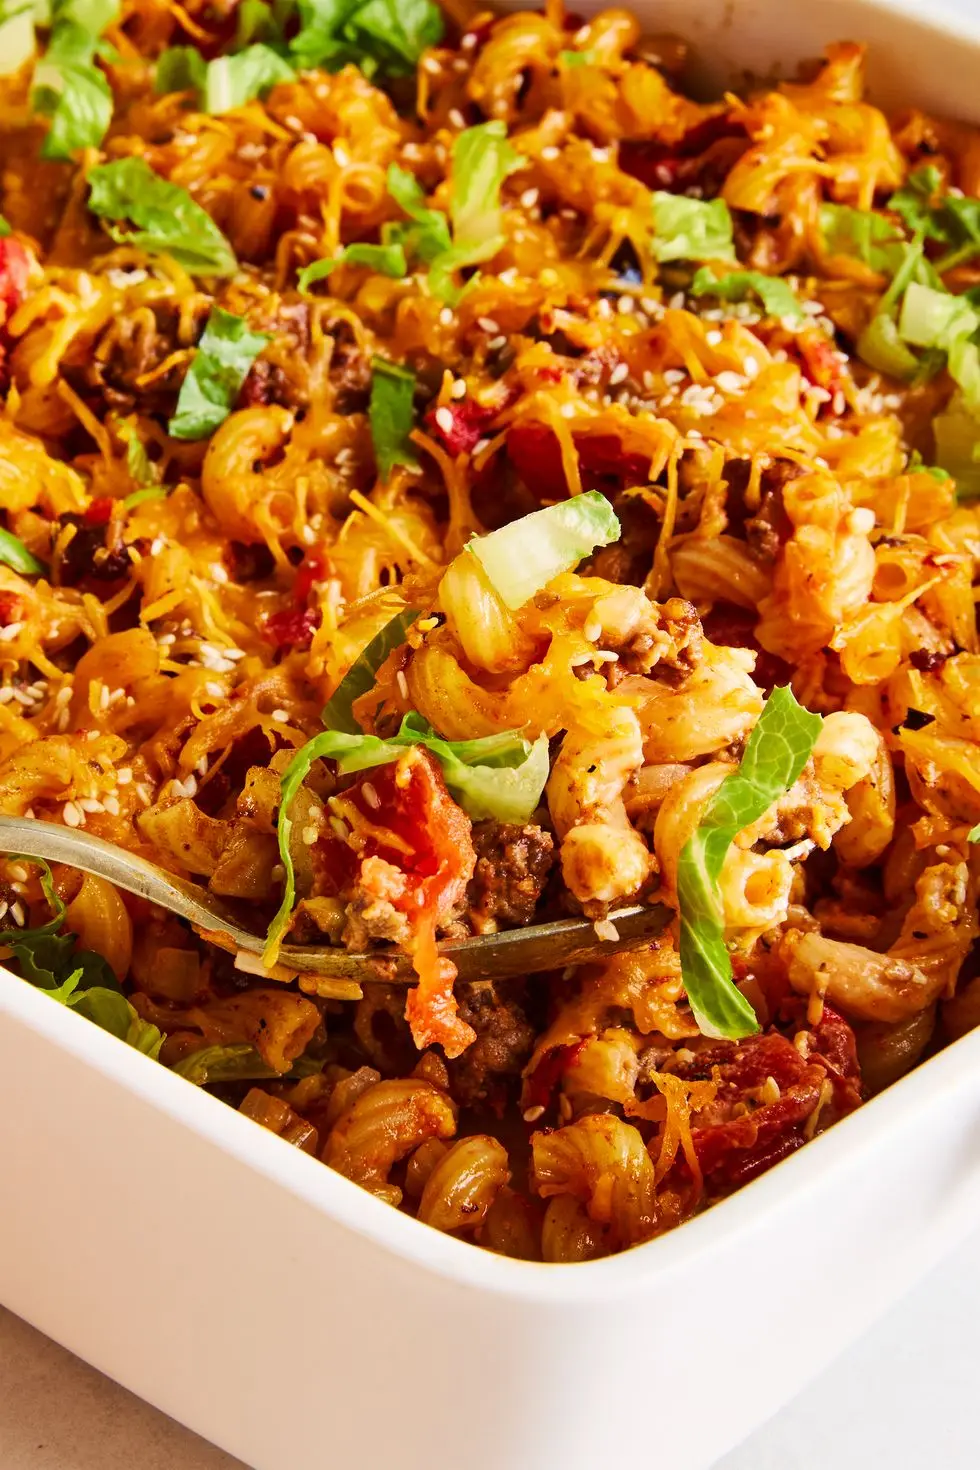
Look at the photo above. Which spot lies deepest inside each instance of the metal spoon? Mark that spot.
(484, 957)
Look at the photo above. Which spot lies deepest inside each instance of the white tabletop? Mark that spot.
(902, 1397)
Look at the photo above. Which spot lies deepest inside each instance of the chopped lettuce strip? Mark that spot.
(67, 86)
(778, 299)
(691, 229)
(17, 40)
(140, 208)
(482, 158)
(522, 557)
(338, 712)
(775, 754)
(871, 238)
(221, 364)
(386, 259)
(13, 553)
(391, 413)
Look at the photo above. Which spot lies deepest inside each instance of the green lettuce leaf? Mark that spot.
(387, 260)
(913, 203)
(778, 299)
(380, 36)
(80, 109)
(17, 41)
(775, 754)
(231, 81)
(4, 228)
(525, 555)
(338, 712)
(870, 237)
(138, 207)
(430, 237)
(691, 229)
(180, 69)
(392, 415)
(13, 553)
(957, 436)
(224, 356)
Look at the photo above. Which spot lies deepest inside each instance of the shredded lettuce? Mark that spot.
(4, 228)
(870, 237)
(775, 754)
(936, 319)
(391, 413)
(387, 260)
(16, 36)
(68, 88)
(691, 229)
(338, 712)
(482, 159)
(380, 36)
(224, 356)
(140, 208)
(778, 299)
(913, 203)
(13, 553)
(226, 82)
(522, 557)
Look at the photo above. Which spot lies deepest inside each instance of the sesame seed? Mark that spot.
(568, 410)
(730, 382)
(619, 373)
(89, 804)
(627, 305)
(592, 629)
(606, 929)
(456, 118)
(713, 338)
(480, 446)
(17, 913)
(431, 65)
(487, 324)
(371, 796)
(310, 835)
(532, 1115)
(340, 829)
(71, 816)
(124, 775)
(550, 154)
(529, 198)
(281, 716)
(402, 683)
(446, 316)
(496, 343)
(674, 376)
(445, 420)
(111, 805)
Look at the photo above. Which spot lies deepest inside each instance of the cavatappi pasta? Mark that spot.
(288, 314)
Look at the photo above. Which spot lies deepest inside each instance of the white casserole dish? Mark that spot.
(288, 1316)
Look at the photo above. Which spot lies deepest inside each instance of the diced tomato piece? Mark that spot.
(11, 608)
(540, 1085)
(315, 568)
(470, 421)
(99, 511)
(292, 627)
(411, 821)
(675, 165)
(14, 270)
(536, 455)
(821, 363)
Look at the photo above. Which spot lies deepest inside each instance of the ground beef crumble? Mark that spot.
(512, 867)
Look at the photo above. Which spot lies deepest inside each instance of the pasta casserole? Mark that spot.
(451, 480)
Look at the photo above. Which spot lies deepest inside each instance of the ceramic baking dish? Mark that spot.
(290, 1317)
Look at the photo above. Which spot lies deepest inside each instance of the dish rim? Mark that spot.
(455, 1261)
